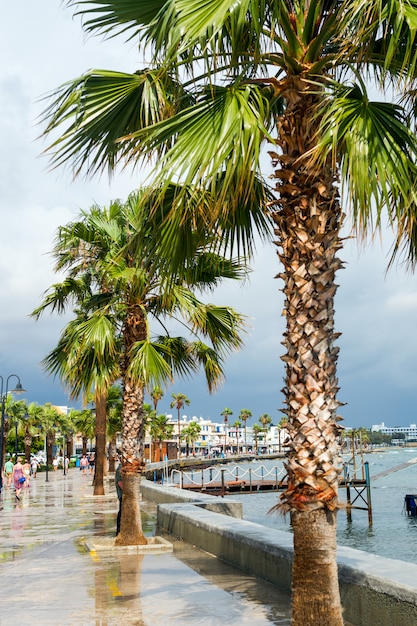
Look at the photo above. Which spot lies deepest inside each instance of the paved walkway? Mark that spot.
(49, 578)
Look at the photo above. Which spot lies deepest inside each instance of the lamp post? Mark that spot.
(3, 397)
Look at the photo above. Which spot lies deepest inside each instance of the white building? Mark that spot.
(410, 431)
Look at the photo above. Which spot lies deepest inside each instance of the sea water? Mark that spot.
(393, 533)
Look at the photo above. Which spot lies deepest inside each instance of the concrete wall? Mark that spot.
(375, 591)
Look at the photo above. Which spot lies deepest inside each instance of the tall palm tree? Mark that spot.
(191, 433)
(32, 425)
(237, 424)
(156, 394)
(161, 430)
(49, 420)
(283, 423)
(84, 424)
(179, 401)
(265, 419)
(226, 413)
(256, 429)
(244, 415)
(16, 410)
(120, 282)
(291, 74)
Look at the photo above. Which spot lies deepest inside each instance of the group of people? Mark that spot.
(87, 462)
(19, 475)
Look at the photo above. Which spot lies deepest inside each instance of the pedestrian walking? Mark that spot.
(34, 467)
(84, 465)
(91, 461)
(55, 464)
(8, 471)
(18, 477)
(26, 473)
(118, 481)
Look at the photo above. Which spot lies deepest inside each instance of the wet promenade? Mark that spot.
(49, 578)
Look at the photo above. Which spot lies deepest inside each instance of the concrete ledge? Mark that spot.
(374, 590)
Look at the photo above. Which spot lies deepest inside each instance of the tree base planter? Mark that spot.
(155, 545)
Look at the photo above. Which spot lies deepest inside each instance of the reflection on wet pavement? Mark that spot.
(48, 577)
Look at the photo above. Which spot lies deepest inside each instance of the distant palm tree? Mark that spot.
(179, 401)
(32, 425)
(161, 430)
(226, 413)
(257, 429)
(191, 433)
(265, 419)
(156, 394)
(237, 424)
(244, 415)
(50, 419)
(16, 411)
(283, 423)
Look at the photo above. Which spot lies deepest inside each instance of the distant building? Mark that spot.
(409, 432)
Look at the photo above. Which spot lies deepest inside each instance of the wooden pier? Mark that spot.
(358, 492)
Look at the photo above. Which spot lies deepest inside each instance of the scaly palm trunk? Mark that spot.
(100, 456)
(308, 222)
(133, 433)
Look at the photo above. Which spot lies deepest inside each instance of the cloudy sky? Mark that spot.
(42, 46)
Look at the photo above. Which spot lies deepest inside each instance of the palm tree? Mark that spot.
(256, 432)
(156, 394)
(225, 414)
(244, 415)
(16, 410)
(120, 281)
(49, 420)
(283, 423)
(84, 424)
(237, 424)
(179, 401)
(291, 74)
(265, 419)
(161, 430)
(191, 433)
(32, 425)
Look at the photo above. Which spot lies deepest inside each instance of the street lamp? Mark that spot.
(3, 396)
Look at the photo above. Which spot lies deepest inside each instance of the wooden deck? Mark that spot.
(233, 486)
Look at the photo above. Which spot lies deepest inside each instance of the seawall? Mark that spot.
(374, 590)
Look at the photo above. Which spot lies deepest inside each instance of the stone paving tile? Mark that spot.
(48, 577)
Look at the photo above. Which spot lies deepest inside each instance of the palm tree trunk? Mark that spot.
(131, 532)
(314, 568)
(308, 224)
(100, 456)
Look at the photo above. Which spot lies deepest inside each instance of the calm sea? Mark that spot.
(393, 534)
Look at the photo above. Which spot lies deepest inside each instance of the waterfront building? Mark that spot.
(409, 432)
